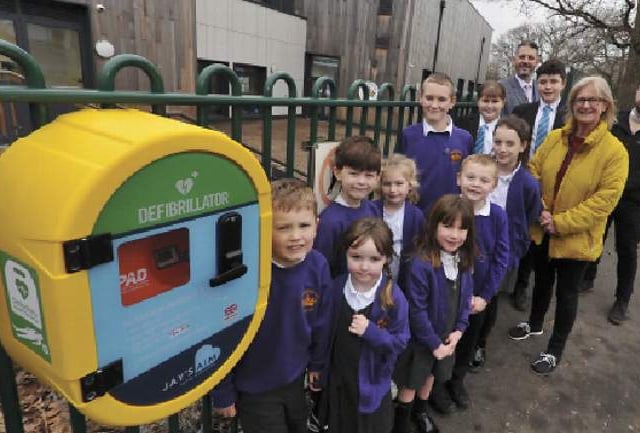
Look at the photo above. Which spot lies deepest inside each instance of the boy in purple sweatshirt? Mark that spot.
(357, 167)
(477, 178)
(266, 388)
(436, 144)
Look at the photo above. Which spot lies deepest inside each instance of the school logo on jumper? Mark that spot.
(309, 299)
(383, 323)
(455, 155)
(206, 357)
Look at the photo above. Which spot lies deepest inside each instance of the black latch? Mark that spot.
(101, 381)
(87, 252)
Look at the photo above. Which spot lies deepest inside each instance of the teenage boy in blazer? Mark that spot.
(521, 87)
(542, 117)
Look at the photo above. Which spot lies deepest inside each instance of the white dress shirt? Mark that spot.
(426, 128)
(527, 88)
(552, 118)
(488, 134)
(395, 222)
(499, 195)
(360, 300)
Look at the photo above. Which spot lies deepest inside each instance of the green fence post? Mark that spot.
(203, 88)
(411, 90)
(174, 423)
(390, 93)
(406, 90)
(206, 414)
(267, 121)
(351, 95)
(33, 77)
(316, 92)
(9, 395)
(77, 420)
(107, 77)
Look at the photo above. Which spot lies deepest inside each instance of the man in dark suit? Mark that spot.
(521, 87)
(542, 117)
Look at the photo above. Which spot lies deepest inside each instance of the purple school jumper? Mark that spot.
(524, 206)
(385, 338)
(294, 335)
(492, 239)
(438, 157)
(335, 219)
(427, 292)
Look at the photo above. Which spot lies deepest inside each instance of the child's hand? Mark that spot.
(550, 228)
(545, 218)
(442, 351)
(359, 324)
(225, 412)
(452, 339)
(478, 304)
(313, 379)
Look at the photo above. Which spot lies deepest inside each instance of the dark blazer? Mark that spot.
(470, 124)
(515, 94)
(528, 111)
(632, 143)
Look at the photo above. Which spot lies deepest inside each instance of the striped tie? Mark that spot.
(543, 127)
(479, 146)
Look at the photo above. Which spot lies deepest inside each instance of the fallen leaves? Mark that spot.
(46, 411)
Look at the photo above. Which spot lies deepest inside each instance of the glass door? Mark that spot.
(58, 36)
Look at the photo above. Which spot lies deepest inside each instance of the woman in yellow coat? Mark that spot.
(582, 169)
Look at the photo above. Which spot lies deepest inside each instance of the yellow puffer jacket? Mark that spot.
(589, 191)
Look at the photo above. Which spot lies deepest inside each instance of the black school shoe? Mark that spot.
(522, 331)
(459, 394)
(479, 358)
(586, 286)
(424, 423)
(618, 312)
(440, 399)
(545, 364)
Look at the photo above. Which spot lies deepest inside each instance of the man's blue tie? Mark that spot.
(479, 146)
(543, 127)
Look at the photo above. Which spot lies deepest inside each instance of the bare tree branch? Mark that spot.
(615, 22)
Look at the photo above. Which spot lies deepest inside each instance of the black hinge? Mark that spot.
(87, 252)
(101, 381)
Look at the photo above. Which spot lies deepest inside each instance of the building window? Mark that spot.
(252, 80)
(218, 86)
(386, 7)
(285, 6)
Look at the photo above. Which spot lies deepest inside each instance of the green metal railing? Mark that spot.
(39, 98)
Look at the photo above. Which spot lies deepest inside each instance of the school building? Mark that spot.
(396, 41)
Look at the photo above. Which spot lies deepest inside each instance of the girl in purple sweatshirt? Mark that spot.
(371, 330)
(438, 285)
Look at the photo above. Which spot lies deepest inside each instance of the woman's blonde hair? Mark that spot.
(602, 90)
(407, 167)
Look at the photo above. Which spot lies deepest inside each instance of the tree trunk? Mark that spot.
(626, 90)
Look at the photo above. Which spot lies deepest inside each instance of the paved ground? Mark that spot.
(595, 389)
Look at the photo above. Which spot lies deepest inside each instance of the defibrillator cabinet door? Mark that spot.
(182, 290)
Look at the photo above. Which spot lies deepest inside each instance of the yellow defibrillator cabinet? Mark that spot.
(135, 257)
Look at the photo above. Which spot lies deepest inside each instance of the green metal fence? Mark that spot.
(398, 113)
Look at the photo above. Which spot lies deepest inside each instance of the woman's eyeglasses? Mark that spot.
(590, 101)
